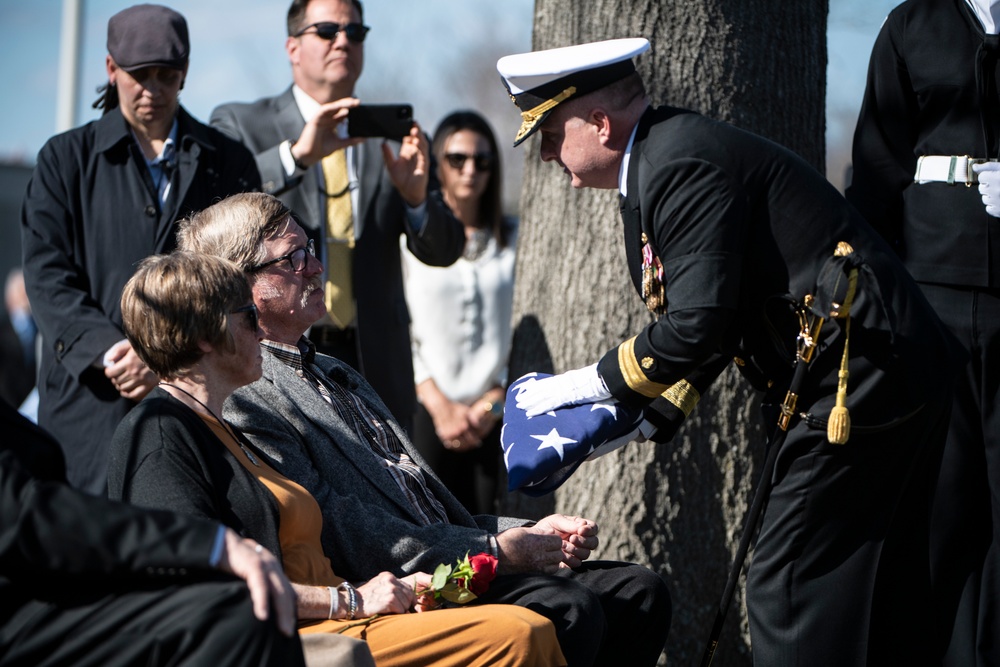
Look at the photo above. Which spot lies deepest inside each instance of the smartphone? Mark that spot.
(392, 121)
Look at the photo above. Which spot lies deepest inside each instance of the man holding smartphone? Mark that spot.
(354, 196)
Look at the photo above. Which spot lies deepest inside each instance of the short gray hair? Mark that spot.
(235, 228)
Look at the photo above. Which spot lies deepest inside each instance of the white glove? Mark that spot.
(583, 385)
(989, 186)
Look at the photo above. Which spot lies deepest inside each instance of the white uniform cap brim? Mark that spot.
(525, 71)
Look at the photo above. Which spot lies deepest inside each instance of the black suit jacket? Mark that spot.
(56, 541)
(364, 510)
(382, 316)
(742, 227)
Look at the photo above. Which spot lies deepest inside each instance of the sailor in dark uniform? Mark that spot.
(726, 234)
(929, 129)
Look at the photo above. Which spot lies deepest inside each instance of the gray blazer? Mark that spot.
(380, 219)
(368, 525)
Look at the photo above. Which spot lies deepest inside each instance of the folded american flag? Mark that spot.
(542, 452)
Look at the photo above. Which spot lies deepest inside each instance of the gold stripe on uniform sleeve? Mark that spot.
(683, 396)
(632, 372)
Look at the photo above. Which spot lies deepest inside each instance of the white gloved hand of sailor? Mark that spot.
(989, 186)
(584, 385)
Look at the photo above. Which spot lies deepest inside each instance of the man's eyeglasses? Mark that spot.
(355, 32)
(252, 316)
(482, 161)
(296, 258)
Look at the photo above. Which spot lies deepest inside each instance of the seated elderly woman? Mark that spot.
(192, 320)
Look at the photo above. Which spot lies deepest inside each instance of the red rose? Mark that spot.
(462, 582)
(484, 568)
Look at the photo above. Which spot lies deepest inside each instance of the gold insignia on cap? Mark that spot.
(531, 117)
(647, 363)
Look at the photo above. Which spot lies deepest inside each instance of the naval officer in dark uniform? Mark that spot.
(928, 130)
(726, 233)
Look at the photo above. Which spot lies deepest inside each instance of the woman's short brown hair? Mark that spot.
(174, 302)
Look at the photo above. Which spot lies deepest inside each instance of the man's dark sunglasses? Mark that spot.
(355, 32)
(296, 258)
(482, 161)
(251, 311)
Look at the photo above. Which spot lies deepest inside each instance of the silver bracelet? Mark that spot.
(352, 599)
(334, 602)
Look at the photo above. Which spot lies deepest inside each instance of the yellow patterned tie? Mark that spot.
(339, 240)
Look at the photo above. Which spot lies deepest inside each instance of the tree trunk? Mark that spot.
(678, 508)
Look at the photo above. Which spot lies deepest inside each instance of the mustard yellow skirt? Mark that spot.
(495, 635)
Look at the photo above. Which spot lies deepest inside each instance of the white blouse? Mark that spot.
(461, 319)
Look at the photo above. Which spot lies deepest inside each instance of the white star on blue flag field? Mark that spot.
(541, 452)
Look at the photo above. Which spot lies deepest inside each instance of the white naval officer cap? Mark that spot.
(538, 81)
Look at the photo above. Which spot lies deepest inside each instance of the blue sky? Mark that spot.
(238, 54)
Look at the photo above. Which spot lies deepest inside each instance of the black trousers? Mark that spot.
(840, 574)
(606, 613)
(965, 525)
(208, 623)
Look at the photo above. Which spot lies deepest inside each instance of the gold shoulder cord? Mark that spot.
(838, 428)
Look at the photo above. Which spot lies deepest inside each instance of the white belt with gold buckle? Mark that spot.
(950, 169)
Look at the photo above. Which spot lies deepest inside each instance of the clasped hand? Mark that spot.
(129, 375)
(554, 542)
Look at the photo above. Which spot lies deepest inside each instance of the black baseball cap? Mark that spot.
(148, 36)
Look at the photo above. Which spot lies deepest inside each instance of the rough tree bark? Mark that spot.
(678, 508)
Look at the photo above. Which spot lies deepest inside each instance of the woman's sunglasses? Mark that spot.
(482, 161)
(252, 317)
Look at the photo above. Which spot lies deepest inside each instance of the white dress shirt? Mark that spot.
(461, 320)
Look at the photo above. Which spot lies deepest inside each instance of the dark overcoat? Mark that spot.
(89, 216)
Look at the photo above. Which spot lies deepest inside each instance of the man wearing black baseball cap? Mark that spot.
(102, 197)
(148, 36)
